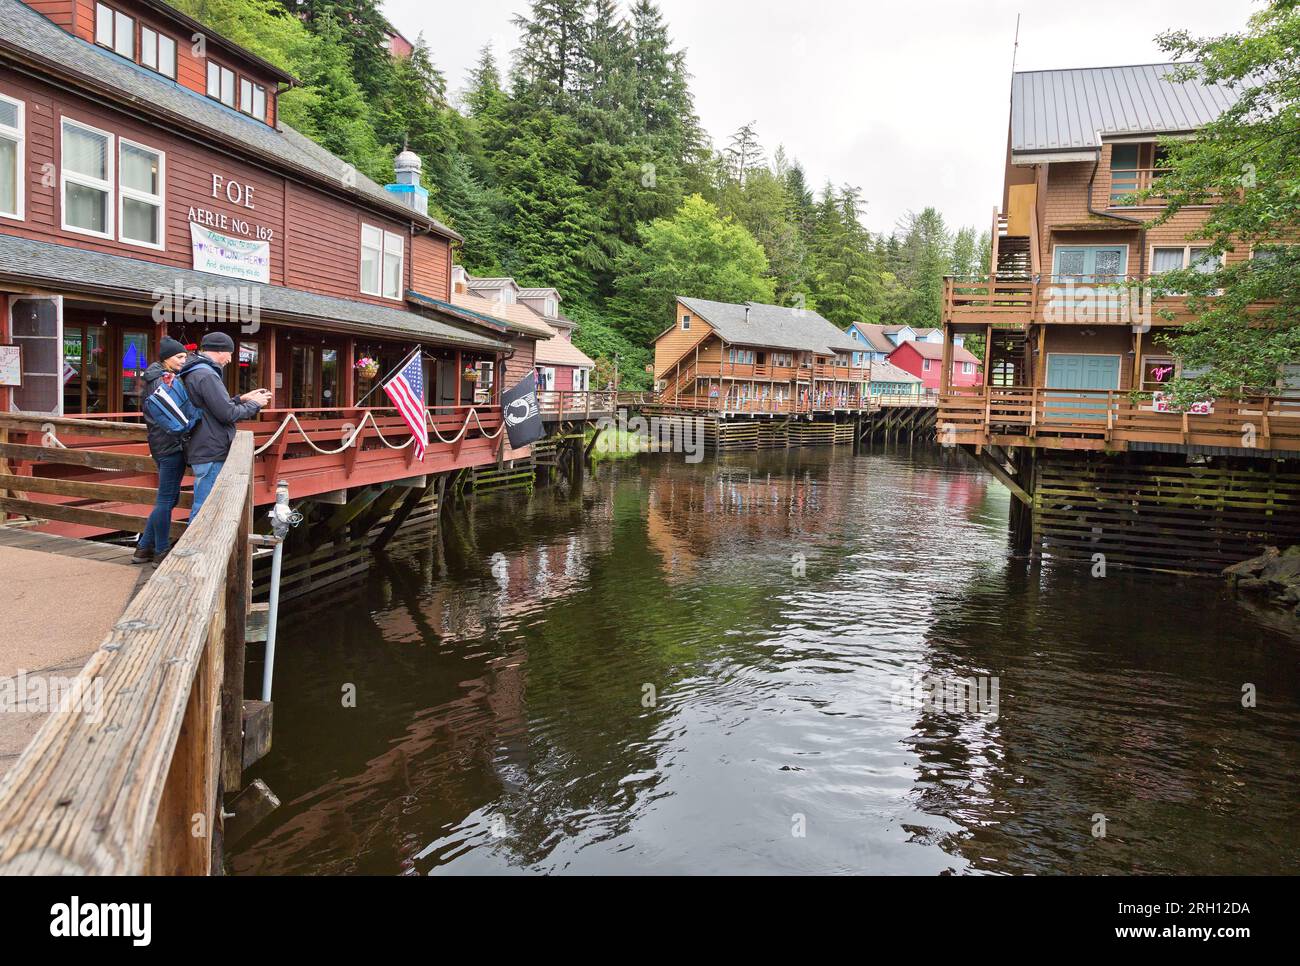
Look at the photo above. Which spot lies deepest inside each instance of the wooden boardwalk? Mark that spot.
(60, 598)
(130, 780)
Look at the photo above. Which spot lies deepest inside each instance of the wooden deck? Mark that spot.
(1113, 420)
(128, 781)
(47, 636)
(1020, 300)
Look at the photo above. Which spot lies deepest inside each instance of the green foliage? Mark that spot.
(696, 251)
(1250, 158)
(587, 170)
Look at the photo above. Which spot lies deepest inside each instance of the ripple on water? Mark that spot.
(696, 669)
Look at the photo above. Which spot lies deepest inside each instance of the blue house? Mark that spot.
(871, 337)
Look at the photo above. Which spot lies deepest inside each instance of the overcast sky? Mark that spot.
(908, 100)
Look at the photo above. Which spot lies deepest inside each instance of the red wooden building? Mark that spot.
(149, 188)
(925, 361)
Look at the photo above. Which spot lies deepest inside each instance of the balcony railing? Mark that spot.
(576, 403)
(1061, 299)
(1126, 182)
(1113, 419)
(802, 403)
(321, 450)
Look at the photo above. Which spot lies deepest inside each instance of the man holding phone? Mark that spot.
(210, 443)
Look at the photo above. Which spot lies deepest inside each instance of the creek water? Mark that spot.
(799, 662)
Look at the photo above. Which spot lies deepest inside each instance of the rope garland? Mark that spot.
(292, 419)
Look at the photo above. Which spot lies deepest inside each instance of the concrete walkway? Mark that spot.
(59, 598)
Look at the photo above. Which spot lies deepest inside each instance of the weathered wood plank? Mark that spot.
(95, 459)
(88, 489)
(85, 795)
(84, 516)
(66, 426)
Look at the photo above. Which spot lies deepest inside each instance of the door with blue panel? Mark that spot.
(1079, 371)
(1087, 283)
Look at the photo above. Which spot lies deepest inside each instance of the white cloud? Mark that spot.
(908, 101)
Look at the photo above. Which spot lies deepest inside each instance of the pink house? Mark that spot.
(925, 360)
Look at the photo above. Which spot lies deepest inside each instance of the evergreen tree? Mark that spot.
(695, 252)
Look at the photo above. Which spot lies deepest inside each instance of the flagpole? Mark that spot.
(397, 368)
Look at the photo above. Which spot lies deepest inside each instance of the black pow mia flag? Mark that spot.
(522, 414)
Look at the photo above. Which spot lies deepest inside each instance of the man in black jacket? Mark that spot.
(210, 444)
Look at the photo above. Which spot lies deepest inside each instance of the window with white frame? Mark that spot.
(12, 142)
(1172, 259)
(686, 322)
(581, 379)
(394, 250)
(1271, 254)
(157, 52)
(141, 208)
(114, 30)
(507, 296)
(967, 368)
(381, 262)
(87, 179)
(925, 364)
(252, 98)
(551, 308)
(221, 83)
(1176, 258)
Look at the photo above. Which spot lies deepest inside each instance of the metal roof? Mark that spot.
(27, 31)
(1054, 110)
(63, 269)
(888, 372)
(772, 326)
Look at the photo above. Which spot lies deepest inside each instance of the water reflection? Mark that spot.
(690, 668)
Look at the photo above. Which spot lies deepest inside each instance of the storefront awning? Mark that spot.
(61, 270)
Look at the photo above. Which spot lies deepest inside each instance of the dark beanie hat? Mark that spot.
(170, 347)
(218, 342)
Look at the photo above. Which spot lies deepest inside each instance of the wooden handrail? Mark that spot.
(120, 792)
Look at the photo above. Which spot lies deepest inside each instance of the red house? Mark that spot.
(925, 360)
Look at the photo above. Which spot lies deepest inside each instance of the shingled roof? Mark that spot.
(65, 269)
(24, 30)
(772, 326)
(1060, 110)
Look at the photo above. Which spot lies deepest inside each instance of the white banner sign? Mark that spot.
(233, 257)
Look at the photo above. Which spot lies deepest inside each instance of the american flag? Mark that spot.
(406, 390)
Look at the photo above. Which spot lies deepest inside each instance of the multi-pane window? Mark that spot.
(381, 262)
(686, 322)
(221, 84)
(393, 251)
(252, 98)
(87, 175)
(114, 30)
(12, 141)
(140, 176)
(1173, 259)
(158, 52)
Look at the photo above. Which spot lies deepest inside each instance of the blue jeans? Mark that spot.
(205, 476)
(157, 529)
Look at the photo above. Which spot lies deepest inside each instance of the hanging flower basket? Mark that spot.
(366, 367)
(470, 374)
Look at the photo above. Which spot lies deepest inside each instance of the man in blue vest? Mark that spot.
(210, 443)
